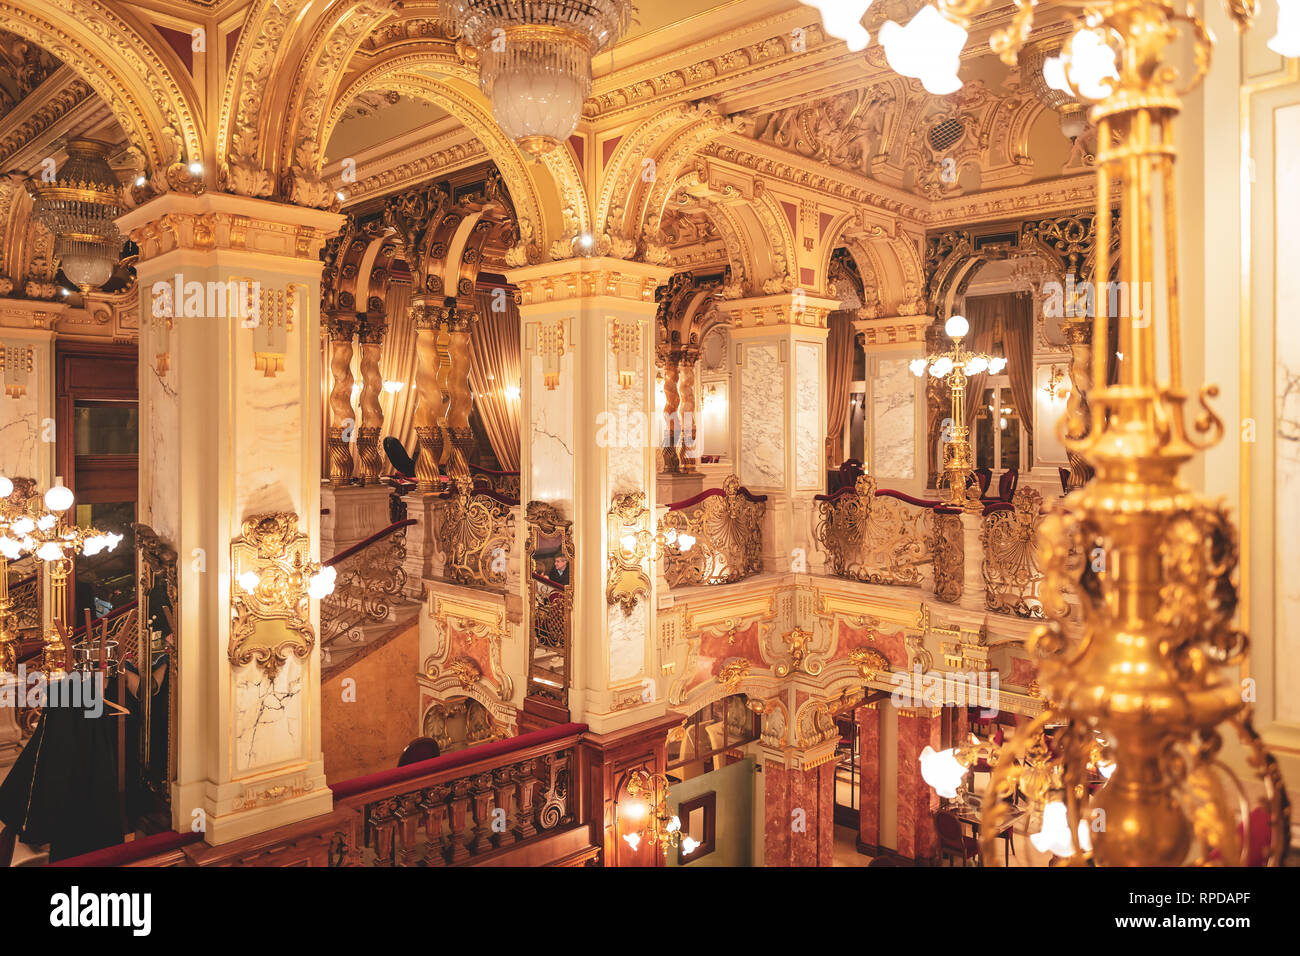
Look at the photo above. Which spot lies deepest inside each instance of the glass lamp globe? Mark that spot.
(59, 498)
(6, 487)
(942, 771)
(956, 327)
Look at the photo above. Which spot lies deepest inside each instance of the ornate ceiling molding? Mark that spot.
(143, 82)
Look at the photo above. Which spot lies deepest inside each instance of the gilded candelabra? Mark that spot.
(11, 549)
(955, 367)
(44, 532)
(1150, 562)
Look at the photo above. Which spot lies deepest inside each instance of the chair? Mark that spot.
(952, 841)
(402, 463)
(1007, 484)
(1065, 480)
(985, 478)
(421, 748)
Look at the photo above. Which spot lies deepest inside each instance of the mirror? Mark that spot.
(155, 698)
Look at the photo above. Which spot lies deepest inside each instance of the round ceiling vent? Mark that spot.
(946, 134)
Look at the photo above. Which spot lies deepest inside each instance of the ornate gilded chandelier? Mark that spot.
(535, 59)
(79, 207)
(1145, 689)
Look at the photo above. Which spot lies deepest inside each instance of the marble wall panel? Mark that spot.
(809, 438)
(893, 418)
(762, 417)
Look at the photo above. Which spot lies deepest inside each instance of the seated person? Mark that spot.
(560, 572)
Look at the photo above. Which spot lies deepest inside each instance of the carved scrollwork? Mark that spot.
(1011, 572)
(475, 533)
(879, 540)
(727, 529)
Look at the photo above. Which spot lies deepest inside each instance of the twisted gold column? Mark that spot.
(690, 414)
(460, 321)
(1078, 335)
(672, 401)
(342, 423)
(429, 402)
(371, 337)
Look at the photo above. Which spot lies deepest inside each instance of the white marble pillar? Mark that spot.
(230, 422)
(779, 416)
(591, 434)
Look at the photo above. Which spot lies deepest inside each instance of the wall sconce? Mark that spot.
(273, 580)
(1057, 384)
(655, 823)
(630, 544)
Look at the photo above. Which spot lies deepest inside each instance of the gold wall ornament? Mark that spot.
(465, 670)
(16, 364)
(1011, 571)
(630, 544)
(272, 579)
(716, 540)
(550, 346)
(871, 663)
(733, 673)
(1151, 562)
(625, 341)
(874, 538)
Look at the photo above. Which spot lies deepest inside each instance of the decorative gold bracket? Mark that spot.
(629, 548)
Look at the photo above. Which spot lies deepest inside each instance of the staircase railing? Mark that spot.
(473, 805)
(370, 579)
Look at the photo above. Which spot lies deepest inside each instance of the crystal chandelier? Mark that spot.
(78, 207)
(1073, 115)
(535, 59)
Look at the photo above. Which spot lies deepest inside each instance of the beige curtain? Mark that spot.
(839, 377)
(982, 313)
(397, 364)
(496, 366)
(1018, 344)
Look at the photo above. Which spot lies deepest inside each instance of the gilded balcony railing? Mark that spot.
(475, 531)
(948, 549)
(878, 537)
(1011, 572)
(370, 580)
(715, 537)
(25, 595)
(468, 805)
(504, 483)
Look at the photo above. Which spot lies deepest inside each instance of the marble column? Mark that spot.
(799, 807)
(591, 437)
(917, 801)
(230, 424)
(779, 415)
(868, 719)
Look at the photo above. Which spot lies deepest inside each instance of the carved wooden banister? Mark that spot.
(463, 807)
(715, 537)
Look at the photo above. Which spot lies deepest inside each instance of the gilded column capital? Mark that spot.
(783, 311)
(560, 281)
(212, 222)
